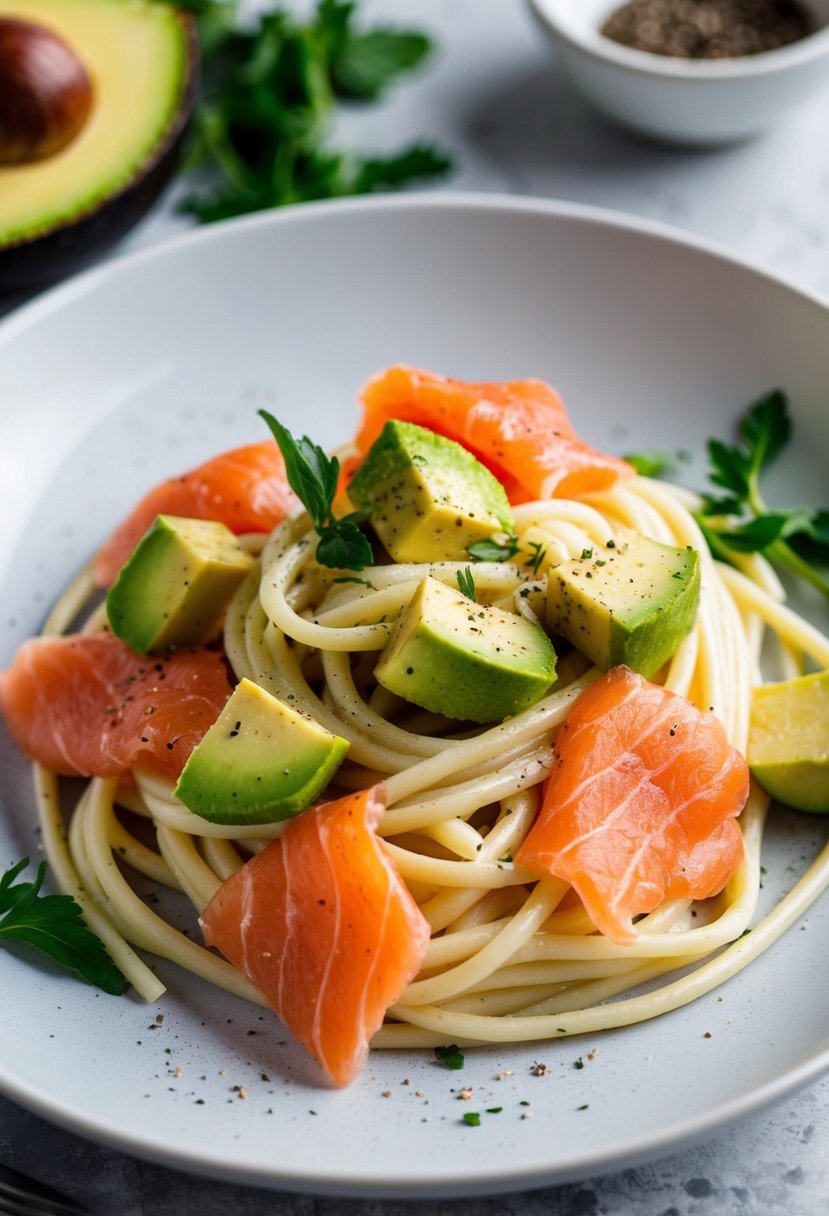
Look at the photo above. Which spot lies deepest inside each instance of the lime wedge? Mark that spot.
(788, 744)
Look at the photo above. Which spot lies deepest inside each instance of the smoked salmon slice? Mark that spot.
(519, 429)
(88, 706)
(640, 804)
(246, 489)
(322, 924)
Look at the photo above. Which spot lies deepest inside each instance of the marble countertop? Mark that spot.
(493, 96)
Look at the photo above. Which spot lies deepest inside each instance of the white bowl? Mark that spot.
(687, 101)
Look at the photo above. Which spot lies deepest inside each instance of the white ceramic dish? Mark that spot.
(684, 101)
(138, 370)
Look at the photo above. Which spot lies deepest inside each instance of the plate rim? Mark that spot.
(441, 1182)
(87, 281)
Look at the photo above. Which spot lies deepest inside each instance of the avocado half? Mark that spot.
(58, 213)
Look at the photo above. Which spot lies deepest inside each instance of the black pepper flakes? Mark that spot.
(708, 29)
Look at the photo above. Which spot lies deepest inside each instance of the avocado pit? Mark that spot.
(46, 93)
(94, 105)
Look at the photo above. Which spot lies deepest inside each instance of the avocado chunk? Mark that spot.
(465, 660)
(788, 741)
(429, 499)
(62, 209)
(631, 601)
(176, 584)
(260, 761)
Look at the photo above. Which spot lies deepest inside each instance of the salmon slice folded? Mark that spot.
(640, 805)
(88, 706)
(245, 489)
(519, 429)
(321, 922)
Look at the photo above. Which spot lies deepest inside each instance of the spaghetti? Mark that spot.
(512, 957)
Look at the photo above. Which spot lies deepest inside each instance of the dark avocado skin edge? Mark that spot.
(61, 251)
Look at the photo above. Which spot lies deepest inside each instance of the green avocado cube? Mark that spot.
(429, 498)
(176, 584)
(465, 660)
(261, 761)
(631, 601)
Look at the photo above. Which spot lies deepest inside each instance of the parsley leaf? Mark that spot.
(766, 429)
(451, 1057)
(364, 64)
(741, 522)
(389, 172)
(313, 477)
(466, 583)
(503, 551)
(536, 556)
(364, 582)
(342, 546)
(493, 550)
(472, 1118)
(312, 474)
(54, 924)
(268, 98)
(651, 463)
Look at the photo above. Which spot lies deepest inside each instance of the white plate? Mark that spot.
(138, 370)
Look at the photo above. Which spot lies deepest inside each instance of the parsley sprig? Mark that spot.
(269, 94)
(313, 477)
(494, 550)
(740, 521)
(505, 550)
(54, 924)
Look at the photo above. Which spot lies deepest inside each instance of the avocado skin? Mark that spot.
(46, 259)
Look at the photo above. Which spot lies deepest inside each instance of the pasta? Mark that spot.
(512, 958)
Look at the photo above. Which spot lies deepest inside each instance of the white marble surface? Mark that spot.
(493, 97)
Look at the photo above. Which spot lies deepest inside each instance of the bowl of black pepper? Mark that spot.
(694, 72)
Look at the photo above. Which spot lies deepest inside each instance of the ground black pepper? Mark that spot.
(709, 29)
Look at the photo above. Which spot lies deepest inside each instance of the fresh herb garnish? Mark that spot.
(313, 477)
(536, 556)
(504, 551)
(651, 463)
(740, 521)
(348, 578)
(269, 93)
(451, 1057)
(54, 924)
(466, 583)
(493, 550)
(472, 1118)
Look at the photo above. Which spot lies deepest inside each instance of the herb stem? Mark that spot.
(232, 168)
(778, 551)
